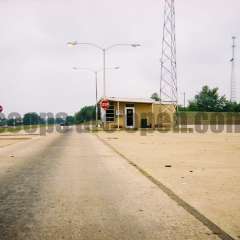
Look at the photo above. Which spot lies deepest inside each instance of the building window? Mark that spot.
(130, 105)
(110, 113)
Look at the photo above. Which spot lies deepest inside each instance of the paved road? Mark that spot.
(72, 186)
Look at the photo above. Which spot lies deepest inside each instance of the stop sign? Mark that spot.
(105, 104)
(1, 108)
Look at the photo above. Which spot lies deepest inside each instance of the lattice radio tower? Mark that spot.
(233, 95)
(168, 81)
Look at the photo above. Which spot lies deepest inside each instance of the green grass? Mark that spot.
(18, 128)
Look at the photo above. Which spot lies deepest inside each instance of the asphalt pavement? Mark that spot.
(72, 186)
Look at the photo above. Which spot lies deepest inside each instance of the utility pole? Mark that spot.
(96, 96)
(233, 95)
(168, 81)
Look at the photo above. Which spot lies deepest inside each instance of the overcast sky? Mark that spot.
(36, 64)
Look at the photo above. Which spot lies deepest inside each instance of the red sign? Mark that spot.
(105, 104)
(1, 108)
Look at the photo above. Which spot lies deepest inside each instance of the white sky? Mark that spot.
(36, 65)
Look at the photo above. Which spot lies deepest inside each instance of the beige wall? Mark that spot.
(151, 112)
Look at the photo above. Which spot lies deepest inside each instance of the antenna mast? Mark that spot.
(168, 81)
(233, 95)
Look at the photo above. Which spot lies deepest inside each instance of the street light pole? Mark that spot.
(104, 50)
(184, 96)
(104, 73)
(96, 84)
(95, 72)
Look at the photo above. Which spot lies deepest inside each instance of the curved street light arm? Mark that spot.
(92, 44)
(122, 45)
(95, 71)
(85, 69)
(108, 68)
(75, 43)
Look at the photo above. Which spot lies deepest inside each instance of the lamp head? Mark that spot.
(135, 45)
(73, 43)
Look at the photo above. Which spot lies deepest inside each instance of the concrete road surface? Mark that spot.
(72, 186)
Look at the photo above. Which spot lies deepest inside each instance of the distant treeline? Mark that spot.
(207, 100)
(87, 113)
(33, 118)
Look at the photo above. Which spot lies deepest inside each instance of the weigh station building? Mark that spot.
(127, 113)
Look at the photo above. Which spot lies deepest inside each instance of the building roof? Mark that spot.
(135, 100)
(131, 100)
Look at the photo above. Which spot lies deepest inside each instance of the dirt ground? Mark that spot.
(6, 140)
(202, 169)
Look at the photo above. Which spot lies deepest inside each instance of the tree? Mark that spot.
(3, 120)
(87, 113)
(31, 119)
(59, 120)
(14, 122)
(155, 97)
(70, 120)
(208, 100)
(50, 120)
(232, 107)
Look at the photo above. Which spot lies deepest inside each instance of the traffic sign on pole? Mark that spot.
(105, 104)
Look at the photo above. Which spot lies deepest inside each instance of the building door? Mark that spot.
(130, 117)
